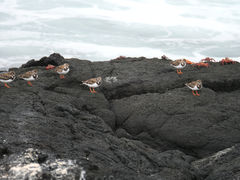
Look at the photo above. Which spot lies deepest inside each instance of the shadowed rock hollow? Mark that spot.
(143, 123)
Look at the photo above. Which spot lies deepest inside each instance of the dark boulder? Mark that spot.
(54, 59)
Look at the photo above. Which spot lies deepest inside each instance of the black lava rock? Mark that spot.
(143, 123)
(54, 59)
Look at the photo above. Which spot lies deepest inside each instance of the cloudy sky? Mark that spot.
(104, 29)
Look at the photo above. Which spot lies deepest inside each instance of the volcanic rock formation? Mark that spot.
(143, 123)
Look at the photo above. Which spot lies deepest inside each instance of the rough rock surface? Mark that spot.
(142, 124)
(220, 166)
(34, 164)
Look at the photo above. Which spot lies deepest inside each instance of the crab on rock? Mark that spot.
(227, 60)
(201, 64)
(207, 59)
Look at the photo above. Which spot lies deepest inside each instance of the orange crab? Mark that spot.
(227, 60)
(50, 67)
(201, 64)
(207, 59)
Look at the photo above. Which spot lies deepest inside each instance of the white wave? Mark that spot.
(192, 29)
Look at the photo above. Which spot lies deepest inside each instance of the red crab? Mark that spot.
(207, 59)
(201, 64)
(50, 67)
(227, 60)
(121, 57)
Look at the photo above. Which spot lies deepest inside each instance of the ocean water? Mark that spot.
(101, 30)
